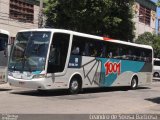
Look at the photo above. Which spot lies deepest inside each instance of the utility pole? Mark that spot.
(40, 17)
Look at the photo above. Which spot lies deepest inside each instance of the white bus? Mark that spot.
(57, 59)
(4, 54)
(156, 68)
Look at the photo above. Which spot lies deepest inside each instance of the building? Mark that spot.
(16, 15)
(144, 16)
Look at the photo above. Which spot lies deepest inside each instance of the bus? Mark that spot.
(156, 68)
(4, 54)
(44, 59)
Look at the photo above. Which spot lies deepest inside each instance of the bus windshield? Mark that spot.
(29, 51)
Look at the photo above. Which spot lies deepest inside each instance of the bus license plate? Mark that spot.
(21, 83)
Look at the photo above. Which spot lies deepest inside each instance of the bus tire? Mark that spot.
(156, 74)
(134, 83)
(75, 85)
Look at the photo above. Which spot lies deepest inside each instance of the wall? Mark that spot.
(142, 27)
(11, 25)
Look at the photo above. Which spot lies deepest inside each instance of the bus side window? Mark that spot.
(91, 47)
(125, 52)
(75, 50)
(95, 48)
(114, 53)
(130, 54)
(103, 51)
(93, 51)
(100, 47)
(75, 46)
(79, 45)
(108, 52)
(86, 49)
(148, 56)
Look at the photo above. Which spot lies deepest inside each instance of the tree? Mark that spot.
(146, 38)
(112, 18)
(158, 3)
(153, 40)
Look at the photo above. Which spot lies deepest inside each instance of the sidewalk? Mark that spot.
(5, 86)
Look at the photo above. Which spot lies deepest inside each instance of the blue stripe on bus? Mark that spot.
(110, 73)
(36, 72)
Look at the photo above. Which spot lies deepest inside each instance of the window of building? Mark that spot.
(21, 11)
(144, 15)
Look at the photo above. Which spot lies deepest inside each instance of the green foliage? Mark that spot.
(146, 38)
(158, 3)
(112, 18)
(150, 39)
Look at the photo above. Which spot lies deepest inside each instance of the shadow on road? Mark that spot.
(154, 100)
(48, 93)
(4, 89)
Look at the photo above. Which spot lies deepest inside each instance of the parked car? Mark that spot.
(156, 67)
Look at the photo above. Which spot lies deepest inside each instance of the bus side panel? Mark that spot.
(103, 72)
(115, 72)
(145, 74)
(119, 72)
(89, 69)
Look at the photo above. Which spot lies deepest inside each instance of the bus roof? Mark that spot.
(90, 36)
(4, 32)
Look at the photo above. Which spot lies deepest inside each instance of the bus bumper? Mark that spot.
(40, 83)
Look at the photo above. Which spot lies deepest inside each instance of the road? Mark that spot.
(119, 100)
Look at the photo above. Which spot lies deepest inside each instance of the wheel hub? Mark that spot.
(74, 85)
(134, 83)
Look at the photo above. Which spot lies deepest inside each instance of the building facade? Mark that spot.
(16, 15)
(144, 16)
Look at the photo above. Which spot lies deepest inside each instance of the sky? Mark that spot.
(158, 9)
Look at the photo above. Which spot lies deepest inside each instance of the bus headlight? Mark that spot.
(39, 76)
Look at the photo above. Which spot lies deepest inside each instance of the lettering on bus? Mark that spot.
(112, 67)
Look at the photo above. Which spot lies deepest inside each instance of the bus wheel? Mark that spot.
(134, 83)
(74, 86)
(156, 74)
